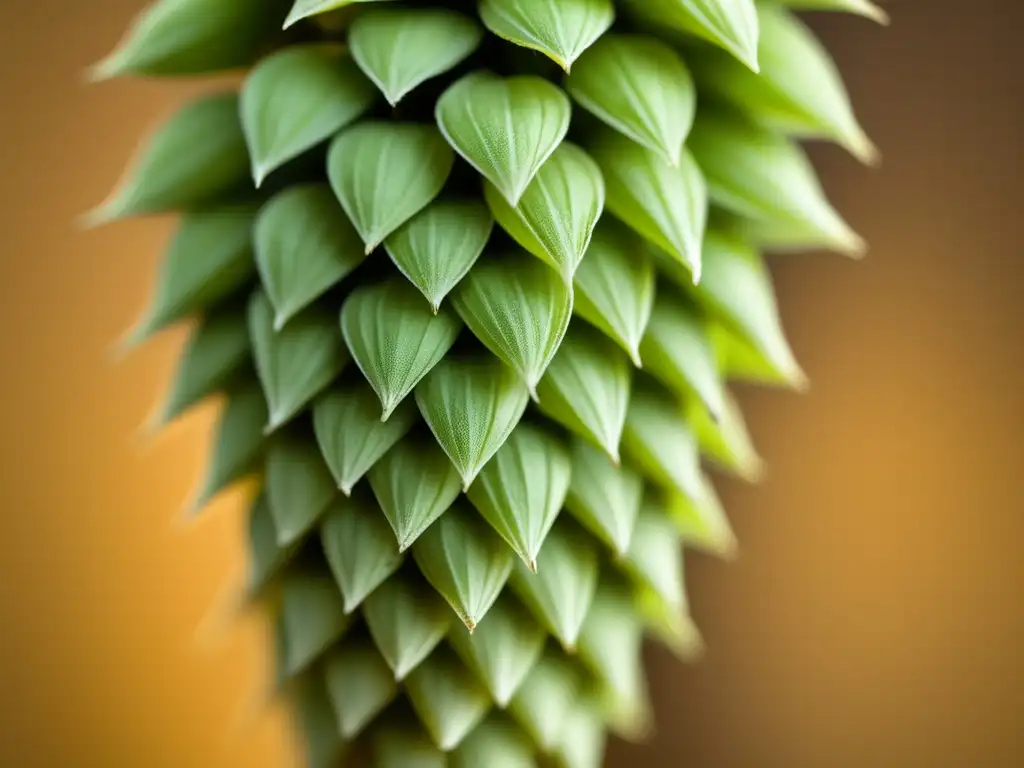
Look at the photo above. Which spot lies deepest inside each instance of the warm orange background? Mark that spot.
(873, 618)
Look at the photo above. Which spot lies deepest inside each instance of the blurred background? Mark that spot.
(874, 616)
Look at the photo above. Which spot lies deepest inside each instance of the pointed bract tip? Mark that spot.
(634, 356)
(152, 425)
(280, 320)
(435, 306)
(876, 13)
(852, 245)
(130, 341)
(531, 563)
(730, 549)
(104, 213)
(189, 511)
(106, 68)
(370, 248)
(274, 423)
(513, 197)
(286, 537)
(259, 174)
(531, 387)
(715, 414)
(293, 18)
(748, 54)
(860, 145)
(345, 488)
(799, 381)
(470, 623)
(754, 469)
(695, 270)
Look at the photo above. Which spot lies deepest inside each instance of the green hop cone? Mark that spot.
(474, 281)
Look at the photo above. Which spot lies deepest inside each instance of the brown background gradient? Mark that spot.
(874, 616)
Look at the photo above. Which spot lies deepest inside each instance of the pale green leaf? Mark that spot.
(581, 743)
(521, 490)
(385, 172)
(678, 352)
(303, 9)
(604, 498)
(438, 246)
(546, 698)
(297, 98)
(399, 49)
(614, 286)
(558, 211)
(799, 90)
(299, 486)
(666, 204)
(611, 647)
(659, 442)
(407, 621)
(471, 405)
(737, 288)
(639, 86)
(503, 649)
(519, 308)
(447, 698)
(586, 387)
(238, 442)
(727, 442)
(351, 436)
(560, 591)
(394, 338)
(359, 684)
(504, 127)
(495, 743)
(266, 557)
(702, 522)
(312, 618)
(296, 363)
(209, 258)
(655, 557)
(215, 352)
(304, 245)
(414, 484)
(729, 24)
(191, 37)
(192, 159)
(397, 747)
(864, 8)
(465, 561)
(768, 178)
(359, 547)
(561, 31)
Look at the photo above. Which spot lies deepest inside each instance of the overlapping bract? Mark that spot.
(477, 348)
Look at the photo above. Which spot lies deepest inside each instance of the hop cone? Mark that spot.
(472, 281)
